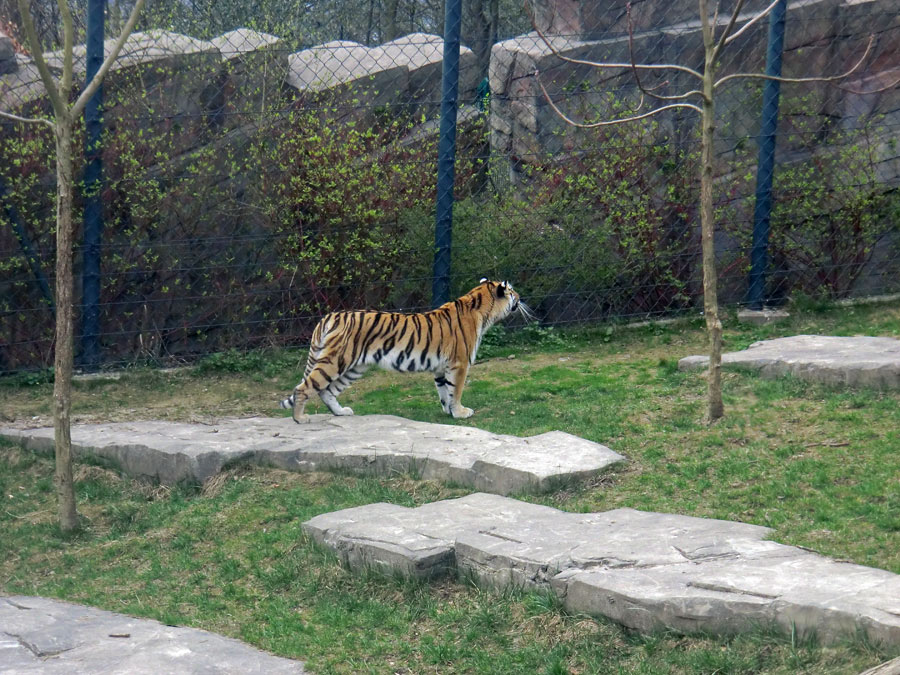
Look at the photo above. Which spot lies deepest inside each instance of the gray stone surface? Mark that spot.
(47, 636)
(8, 63)
(405, 70)
(20, 86)
(649, 571)
(237, 43)
(761, 317)
(854, 361)
(139, 48)
(380, 445)
(891, 667)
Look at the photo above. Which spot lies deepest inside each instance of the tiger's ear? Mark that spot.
(483, 279)
(501, 289)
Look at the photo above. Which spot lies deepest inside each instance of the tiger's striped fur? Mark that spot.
(444, 341)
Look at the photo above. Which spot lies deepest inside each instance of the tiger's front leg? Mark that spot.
(443, 390)
(456, 383)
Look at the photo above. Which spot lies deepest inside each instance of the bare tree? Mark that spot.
(65, 114)
(702, 101)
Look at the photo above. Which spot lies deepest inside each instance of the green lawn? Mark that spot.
(818, 465)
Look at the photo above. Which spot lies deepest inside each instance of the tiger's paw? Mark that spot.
(462, 413)
(301, 419)
(345, 411)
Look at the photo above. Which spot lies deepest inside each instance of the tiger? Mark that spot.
(444, 341)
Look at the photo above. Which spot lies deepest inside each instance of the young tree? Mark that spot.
(702, 101)
(65, 114)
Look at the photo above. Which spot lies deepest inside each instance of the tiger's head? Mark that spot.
(504, 300)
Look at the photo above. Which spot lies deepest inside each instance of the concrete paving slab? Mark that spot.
(380, 445)
(891, 667)
(38, 635)
(854, 361)
(649, 571)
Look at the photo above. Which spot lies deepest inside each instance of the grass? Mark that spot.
(816, 464)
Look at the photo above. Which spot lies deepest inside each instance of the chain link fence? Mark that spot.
(256, 178)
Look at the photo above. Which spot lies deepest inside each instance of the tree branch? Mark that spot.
(752, 21)
(728, 28)
(833, 78)
(65, 85)
(27, 120)
(620, 120)
(594, 64)
(37, 53)
(93, 85)
(870, 91)
(634, 67)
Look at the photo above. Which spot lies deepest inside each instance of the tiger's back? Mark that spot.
(444, 341)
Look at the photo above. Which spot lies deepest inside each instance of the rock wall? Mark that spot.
(7, 55)
(823, 37)
(201, 77)
(599, 19)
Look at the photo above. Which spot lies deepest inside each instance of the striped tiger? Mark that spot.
(444, 341)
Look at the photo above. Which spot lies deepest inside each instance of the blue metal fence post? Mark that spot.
(766, 162)
(93, 207)
(440, 289)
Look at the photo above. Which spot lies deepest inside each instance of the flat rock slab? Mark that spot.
(854, 361)
(649, 571)
(47, 636)
(380, 445)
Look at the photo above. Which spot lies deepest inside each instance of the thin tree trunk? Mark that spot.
(391, 32)
(62, 387)
(481, 29)
(716, 407)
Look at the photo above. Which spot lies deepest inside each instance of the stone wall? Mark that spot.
(599, 19)
(823, 37)
(7, 55)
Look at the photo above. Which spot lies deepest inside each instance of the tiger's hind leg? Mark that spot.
(297, 401)
(332, 391)
(319, 380)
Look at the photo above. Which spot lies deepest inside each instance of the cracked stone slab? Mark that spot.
(38, 635)
(380, 445)
(649, 571)
(854, 361)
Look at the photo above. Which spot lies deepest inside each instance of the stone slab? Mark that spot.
(243, 41)
(380, 445)
(891, 667)
(854, 361)
(139, 48)
(649, 571)
(409, 65)
(38, 635)
(762, 317)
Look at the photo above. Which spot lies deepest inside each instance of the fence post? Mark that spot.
(766, 163)
(93, 207)
(440, 289)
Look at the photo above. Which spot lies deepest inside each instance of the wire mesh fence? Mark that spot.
(254, 180)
